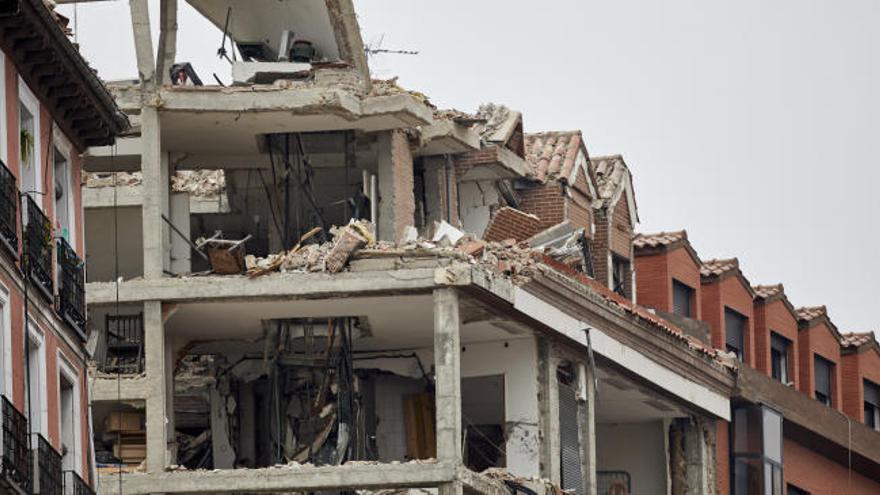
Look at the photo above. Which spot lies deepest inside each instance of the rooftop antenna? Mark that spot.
(376, 48)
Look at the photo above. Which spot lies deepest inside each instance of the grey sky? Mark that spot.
(753, 124)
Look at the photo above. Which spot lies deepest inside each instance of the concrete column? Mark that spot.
(548, 397)
(156, 368)
(154, 165)
(181, 261)
(587, 416)
(143, 41)
(447, 371)
(692, 456)
(396, 201)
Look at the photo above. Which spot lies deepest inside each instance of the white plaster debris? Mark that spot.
(202, 183)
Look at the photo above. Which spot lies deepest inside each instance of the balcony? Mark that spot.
(8, 211)
(48, 479)
(71, 288)
(74, 485)
(16, 471)
(38, 247)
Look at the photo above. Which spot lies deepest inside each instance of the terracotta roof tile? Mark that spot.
(765, 291)
(717, 267)
(658, 239)
(611, 172)
(497, 122)
(809, 313)
(856, 339)
(552, 155)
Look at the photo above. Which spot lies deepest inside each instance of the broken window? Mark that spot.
(779, 362)
(872, 405)
(482, 413)
(682, 296)
(735, 329)
(824, 371)
(620, 275)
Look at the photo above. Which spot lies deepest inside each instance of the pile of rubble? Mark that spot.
(355, 240)
(203, 183)
(389, 87)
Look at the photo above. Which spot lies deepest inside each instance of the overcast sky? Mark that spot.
(752, 124)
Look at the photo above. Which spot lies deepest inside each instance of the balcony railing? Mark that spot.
(74, 485)
(38, 247)
(71, 287)
(16, 468)
(48, 479)
(124, 344)
(8, 210)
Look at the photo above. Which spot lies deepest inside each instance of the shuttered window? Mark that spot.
(734, 327)
(823, 369)
(681, 299)
(872, 405)
(569, 437)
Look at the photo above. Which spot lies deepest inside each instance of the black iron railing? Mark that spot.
(8, 210)
(124, 337)
(71, 287)
(74, 485)
(38, 247)
(48, 477)
(16, 467)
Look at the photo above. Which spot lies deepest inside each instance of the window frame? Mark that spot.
(68, 372)
(744, 321)
(871, 409)
(27, 99)
(680, 287)
(6, 341)
(37, 338)
(747, 436)
(4, 140)
(831, 370)
(786, 352)
(62, 145)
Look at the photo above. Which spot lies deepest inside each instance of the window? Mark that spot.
(779, 349)
(824, 371)
(793, 490)
(569, 431)
(5, 343)
(756, 448)
(620, 273)
(682, 296)
(3, 143)
(29, 137)
(68, 386)
(36, 405)
(872, 405)
(63, 197)
(735, 329)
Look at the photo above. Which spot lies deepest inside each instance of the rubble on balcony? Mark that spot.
(202, 183)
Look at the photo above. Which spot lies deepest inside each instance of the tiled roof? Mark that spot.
(717, 267)
(765, 291)
(497, 122)
(856, 339)
(552, 155)
(611, 171)
(658, 239)
(808, 313)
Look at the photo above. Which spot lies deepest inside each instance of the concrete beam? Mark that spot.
(131, 196)
(143, 41)
(167, 40)
(285, 479)
(447, 372)
(125, 389)
(277, 286)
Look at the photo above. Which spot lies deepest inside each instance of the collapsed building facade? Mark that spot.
(315, 281)
(376, 294)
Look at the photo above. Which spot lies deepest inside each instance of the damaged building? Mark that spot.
(315, 281)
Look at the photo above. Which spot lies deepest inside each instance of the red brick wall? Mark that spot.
(855, 368)
(621, 229)
(731, 293)
(545, 202)
(466, 161)
(404, 201)
(820, 340)
(599, 247)
(819, 475)
(654, 276)
(722, 457)
(510, 223)
(579, 212)
(775, 317)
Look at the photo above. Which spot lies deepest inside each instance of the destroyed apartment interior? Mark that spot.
(302, 278)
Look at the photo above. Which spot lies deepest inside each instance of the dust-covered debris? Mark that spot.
(389, 87)
(202, 183)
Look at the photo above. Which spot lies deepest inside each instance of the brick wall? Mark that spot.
(621, 229)
(579, 212)
(466, 161)
(722, 457)
(510, 223)
(819, 339)
(655, 273)
(404, 201)
(599, 246)
(816, 474)
(855, 368)
(546, 202)
(775, 317)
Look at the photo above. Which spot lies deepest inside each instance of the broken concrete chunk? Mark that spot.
(348, 241)
(443, 230)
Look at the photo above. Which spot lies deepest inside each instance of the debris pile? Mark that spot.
(508, 258)
(389, 87)
(203, 183)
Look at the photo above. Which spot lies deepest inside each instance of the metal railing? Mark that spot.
(16, 468)
(74, 485)
(71, 287)
(48, 477)
(38, 247)
(8, 210)
(124, 344)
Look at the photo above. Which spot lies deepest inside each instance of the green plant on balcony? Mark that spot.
(27, 146)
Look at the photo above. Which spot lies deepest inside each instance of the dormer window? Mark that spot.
(620, 274)
(824, 371)
(872, 405)
(682, 299)
(779, 363)
(735, 331)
